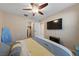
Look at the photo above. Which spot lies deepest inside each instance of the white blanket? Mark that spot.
(25, 51)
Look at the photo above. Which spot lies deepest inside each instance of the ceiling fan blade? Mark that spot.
(43, 5)
(41, 13)
(25, 15)
(32, 3)
(27, 9)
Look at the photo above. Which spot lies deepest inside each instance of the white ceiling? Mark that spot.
(16, 8)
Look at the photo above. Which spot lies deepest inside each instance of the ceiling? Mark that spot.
(16, 8)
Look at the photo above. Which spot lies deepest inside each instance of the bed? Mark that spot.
(16, 49)
(38, 46)
(36, 49)
(53, 47)
(8, 47)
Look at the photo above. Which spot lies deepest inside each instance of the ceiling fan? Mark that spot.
(36, 8)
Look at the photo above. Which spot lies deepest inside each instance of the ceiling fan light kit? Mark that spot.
(36, 8)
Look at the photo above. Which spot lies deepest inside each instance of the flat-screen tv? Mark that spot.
(55, 24)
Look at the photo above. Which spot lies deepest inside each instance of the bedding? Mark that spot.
(36, 49)
(53, 47)
(15, 44)
(24, 50)
(15, 51)
(4, 49)
(19, 48)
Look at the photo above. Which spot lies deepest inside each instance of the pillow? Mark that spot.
(15, 51)
(24, 50)
(15, 44)
(4, 49)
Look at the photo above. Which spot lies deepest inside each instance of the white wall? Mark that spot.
(1, 21)
(17, 25)
(70, 25)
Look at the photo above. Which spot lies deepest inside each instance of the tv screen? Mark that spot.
(55, 24)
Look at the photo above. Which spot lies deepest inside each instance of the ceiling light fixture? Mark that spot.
(35, 9)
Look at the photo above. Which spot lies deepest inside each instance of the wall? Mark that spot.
(17, 25)
(69, 33)
(1, 21)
